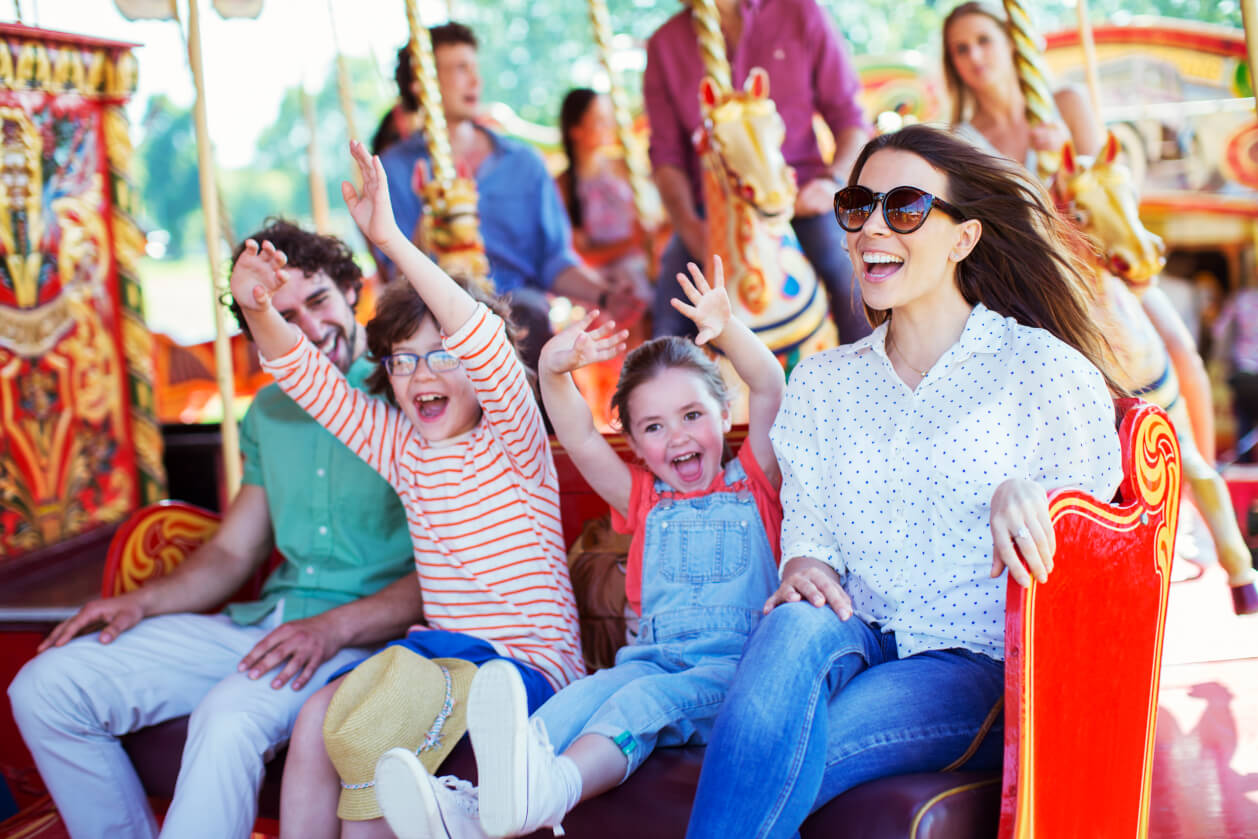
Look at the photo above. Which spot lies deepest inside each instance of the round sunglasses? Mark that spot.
(904, 208)
(404, 363)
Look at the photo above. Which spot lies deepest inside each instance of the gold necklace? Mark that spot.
(894, 349)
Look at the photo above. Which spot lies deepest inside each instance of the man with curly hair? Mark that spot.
(345, 584)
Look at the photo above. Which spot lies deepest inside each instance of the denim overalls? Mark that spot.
(707, 570)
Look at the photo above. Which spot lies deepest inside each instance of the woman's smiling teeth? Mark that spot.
(879, 264)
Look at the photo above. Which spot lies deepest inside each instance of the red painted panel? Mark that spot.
(1083, 652)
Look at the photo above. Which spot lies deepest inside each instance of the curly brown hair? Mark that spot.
(308, 252)
(399, 313)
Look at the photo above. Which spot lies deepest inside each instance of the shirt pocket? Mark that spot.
(700, 552)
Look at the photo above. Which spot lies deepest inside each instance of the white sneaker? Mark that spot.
(521, 790)
(418, 806)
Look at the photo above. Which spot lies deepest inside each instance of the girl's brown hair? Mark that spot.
(400, 311)
(1029, 263)
(958, 94)
(650, 359)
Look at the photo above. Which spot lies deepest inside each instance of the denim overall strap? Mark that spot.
(707, 563)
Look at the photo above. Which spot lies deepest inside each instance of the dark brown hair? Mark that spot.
(958, 94)
(571, 112)
(399, 313)
(1029, 263)
(308, 252)
(650, 359)
(443, 35)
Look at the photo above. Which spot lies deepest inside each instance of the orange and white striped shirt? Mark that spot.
(482, 508)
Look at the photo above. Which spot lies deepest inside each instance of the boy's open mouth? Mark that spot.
(430, 406)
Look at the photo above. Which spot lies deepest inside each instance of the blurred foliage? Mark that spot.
(166, 171)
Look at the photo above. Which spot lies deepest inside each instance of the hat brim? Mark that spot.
(361, 804)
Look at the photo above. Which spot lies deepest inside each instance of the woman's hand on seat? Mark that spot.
(805, 578)
(1022, 531)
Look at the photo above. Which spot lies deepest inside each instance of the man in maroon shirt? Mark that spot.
(810, 72)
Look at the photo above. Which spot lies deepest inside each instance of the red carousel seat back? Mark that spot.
(1084, 652)
(156, 538)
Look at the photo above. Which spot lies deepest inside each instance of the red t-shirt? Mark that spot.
(643, 497)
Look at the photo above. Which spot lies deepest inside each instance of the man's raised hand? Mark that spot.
(257, 275)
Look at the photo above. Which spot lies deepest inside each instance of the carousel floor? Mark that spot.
(1205, 769)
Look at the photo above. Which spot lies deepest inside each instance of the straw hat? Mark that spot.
(396, 698)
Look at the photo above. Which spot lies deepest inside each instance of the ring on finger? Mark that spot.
(1022, 533)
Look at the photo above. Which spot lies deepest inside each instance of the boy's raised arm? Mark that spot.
(373, 213)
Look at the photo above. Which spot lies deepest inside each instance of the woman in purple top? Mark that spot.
(810, 72)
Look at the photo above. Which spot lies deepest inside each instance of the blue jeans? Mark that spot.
(707, 569)
(822, 242)
(820, 705)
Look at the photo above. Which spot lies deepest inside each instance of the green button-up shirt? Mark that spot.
(339, 525)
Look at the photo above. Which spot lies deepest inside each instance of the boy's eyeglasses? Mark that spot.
(904, 208)
(404, 363)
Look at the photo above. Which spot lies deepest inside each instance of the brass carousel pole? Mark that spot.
(1089, 57)
(209, 207)
(707, 25)
(343, 90)
(451, 222)
(1033, 79)
(638, 176)
(318, 186)
(1249, 18)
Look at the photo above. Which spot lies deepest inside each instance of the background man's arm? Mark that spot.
(678, 200)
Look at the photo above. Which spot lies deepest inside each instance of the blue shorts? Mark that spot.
(439, 643)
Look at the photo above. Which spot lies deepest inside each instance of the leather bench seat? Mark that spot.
(656, 800)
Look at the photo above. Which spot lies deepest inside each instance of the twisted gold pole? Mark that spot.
(707, 24)
(424, 66)
(638, 177)
(1033, 79)
(450, 227)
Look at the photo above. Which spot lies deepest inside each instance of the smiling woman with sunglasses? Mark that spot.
(913, 462)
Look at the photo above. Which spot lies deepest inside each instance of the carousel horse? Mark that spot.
(1102, 201)
(749, 192)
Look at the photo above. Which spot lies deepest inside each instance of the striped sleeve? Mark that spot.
(372, 428)
(508, 402)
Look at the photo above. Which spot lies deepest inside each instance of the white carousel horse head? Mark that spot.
(1102, 200)
(749, 195)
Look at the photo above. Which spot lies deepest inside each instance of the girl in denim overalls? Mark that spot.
(703, 562)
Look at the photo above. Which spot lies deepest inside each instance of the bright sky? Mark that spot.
(248, 63)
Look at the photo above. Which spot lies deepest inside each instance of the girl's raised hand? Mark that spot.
(371, 209)
(709, 304)
(575, 347)
(257, 275)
